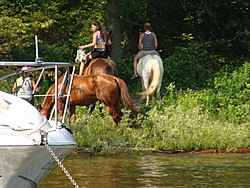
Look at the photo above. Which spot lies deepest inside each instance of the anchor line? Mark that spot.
(61, 165)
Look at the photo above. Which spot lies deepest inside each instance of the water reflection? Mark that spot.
(197, 170)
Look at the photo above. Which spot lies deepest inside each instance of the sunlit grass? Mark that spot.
(180, 125)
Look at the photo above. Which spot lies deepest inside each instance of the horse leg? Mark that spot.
(147, 100)
(142, 84)
(145, 83)
(60, 107)
(72, 113)
(92, 107)
(158, 89)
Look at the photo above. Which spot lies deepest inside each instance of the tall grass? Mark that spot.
(171, 128)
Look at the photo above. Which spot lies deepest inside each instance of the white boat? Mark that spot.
(30, 145)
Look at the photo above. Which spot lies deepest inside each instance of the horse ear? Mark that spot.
(110, 32)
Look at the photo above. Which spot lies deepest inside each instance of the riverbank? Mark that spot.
(168, 128)
(145, 151)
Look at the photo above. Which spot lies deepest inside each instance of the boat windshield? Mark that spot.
(19, 114)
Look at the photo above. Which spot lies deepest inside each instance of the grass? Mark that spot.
(167, 124)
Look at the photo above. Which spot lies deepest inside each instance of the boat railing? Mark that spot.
(59, 92)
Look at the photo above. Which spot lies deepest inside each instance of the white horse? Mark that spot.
(150, 68)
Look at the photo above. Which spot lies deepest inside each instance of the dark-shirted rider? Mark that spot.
(147, 45)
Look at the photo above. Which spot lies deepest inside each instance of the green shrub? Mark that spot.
(189, 67)
(231, 97)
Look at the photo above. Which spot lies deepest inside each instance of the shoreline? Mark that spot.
(136, 150)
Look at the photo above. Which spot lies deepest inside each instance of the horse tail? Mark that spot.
(112, 68)
(126, 100)
(155, 68)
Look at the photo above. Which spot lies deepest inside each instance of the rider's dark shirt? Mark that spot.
(148, 42)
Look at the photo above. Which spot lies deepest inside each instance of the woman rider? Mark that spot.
(147, 45)
(99, 41)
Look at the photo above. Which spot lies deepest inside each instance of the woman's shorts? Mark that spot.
(99, 54)
(151, 52)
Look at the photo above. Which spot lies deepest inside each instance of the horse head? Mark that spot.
(80, 56)
(43, 111)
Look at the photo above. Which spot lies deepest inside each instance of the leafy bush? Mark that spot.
(192, 66)
(230, 98)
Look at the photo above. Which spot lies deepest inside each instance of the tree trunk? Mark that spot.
(131, 38)
(113, 24)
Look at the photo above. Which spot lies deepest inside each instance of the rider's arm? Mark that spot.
(17, 86)
(14, 89)
(156, 42)
(140, 42)
(95, 35)
(38, 89)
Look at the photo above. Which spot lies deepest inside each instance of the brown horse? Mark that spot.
(101, 66)
(86, 90)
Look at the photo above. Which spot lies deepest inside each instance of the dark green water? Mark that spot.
(154, 171)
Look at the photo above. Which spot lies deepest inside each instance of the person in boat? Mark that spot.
(24, 86)
(100, 39)
(147, 45)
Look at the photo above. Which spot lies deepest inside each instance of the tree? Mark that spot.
(61, 26)
(222, 24)
(113, 24)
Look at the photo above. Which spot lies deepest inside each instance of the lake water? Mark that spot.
(153, 171)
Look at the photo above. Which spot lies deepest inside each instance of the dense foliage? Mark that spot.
(219, 31)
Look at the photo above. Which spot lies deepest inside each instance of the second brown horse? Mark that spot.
(100, 66)
(86, 90)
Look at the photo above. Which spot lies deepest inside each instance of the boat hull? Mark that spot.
(30, 145)
(28, 165)
(24, 163)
